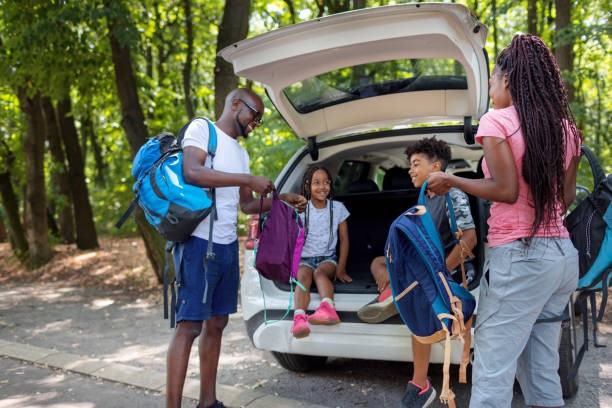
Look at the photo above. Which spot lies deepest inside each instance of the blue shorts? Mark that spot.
(314, 261)
(220, 281)
(523, 284)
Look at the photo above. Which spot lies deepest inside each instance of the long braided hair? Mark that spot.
(306, 183)
(540, 99)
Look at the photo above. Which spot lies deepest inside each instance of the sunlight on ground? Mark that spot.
(605, 370)
(103, 270)
(98, 304)
(132, 353)
(136, 304)
(55, 326)
(236, 360)
(236, 336)
(81, 259)
(23, 401)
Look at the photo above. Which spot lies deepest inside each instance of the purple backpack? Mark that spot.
(277, 253)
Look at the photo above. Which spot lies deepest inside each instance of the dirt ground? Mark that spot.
(119, 263)
(106, 303)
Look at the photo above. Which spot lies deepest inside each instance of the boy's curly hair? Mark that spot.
(435, 150)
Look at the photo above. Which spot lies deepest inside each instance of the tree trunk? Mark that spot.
(89, 134)
(532, 17)
(234, 27)
(359, 4)
(494, 28)
(86, 236)
(11, 206)
(291, 8)
(136, 133)
(40, 251)
(564, 44)
(59, 173)
(188, 59)
(3, 231)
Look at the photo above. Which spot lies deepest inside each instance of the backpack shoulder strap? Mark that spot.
(598, 173)
(212, 140)
(212, 135)
(449, 206)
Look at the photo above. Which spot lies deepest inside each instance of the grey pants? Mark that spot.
(524, 283)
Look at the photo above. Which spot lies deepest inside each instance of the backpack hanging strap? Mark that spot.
(596, 169)
(127, 212)
(447, 396)
(170, 247)
(465, 357)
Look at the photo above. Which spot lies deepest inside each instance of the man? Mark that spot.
(206, 296)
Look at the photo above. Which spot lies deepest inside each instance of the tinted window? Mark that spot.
(374, 79)
(350, 172)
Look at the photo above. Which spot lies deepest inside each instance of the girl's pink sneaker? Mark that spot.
(300, 327)
(325, 314)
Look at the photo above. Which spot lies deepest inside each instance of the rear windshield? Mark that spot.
(374, 79)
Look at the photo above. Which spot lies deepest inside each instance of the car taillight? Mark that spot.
(253, 227)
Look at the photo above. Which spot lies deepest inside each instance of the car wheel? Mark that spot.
(569, 385)
(299, 362)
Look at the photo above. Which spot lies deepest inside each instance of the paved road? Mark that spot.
(125, 339)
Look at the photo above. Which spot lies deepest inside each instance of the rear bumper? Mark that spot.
(391, 342)
(350, 339)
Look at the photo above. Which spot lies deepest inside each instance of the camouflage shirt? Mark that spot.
(439, 213)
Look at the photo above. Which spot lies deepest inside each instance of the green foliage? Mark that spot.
(55, 47)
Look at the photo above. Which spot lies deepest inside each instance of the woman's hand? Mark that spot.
(439, 182)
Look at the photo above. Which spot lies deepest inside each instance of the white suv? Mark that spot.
(359, 87)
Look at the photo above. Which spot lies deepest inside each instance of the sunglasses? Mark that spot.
(256, 113)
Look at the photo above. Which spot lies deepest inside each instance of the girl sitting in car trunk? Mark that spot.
(325, 226)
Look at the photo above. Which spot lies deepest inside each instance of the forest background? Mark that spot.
(84, 83)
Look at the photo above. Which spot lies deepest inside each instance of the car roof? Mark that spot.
(295, 53)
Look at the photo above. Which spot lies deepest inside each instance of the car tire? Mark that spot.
(569, 386)
(299, 362)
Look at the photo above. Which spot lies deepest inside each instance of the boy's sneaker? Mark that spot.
(300, 327)
(378, 310)
(325, 314)
(417, 397)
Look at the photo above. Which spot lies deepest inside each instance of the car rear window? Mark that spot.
(374, 79)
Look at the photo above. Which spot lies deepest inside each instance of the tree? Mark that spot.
(86, 235)
(17, 235)
(234, 27)
(119, 30)
(189, 58)
(60, 180)
(564, 43)
(532, 17)
(36, 200)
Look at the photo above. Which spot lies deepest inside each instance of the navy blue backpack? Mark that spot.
(430, 302)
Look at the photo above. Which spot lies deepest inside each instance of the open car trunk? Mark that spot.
(371, 215)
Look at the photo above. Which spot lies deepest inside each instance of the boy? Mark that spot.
(425, 157)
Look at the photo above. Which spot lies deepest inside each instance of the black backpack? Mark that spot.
(590, 228)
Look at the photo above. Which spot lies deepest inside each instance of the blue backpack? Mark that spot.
(430, 302)
(172, 206)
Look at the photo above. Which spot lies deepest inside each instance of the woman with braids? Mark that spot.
(531, 150)
(325, 225)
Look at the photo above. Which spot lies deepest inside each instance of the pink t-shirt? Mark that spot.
(509, 222)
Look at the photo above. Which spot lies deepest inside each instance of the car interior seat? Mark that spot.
(397, 178)
(363, 186)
